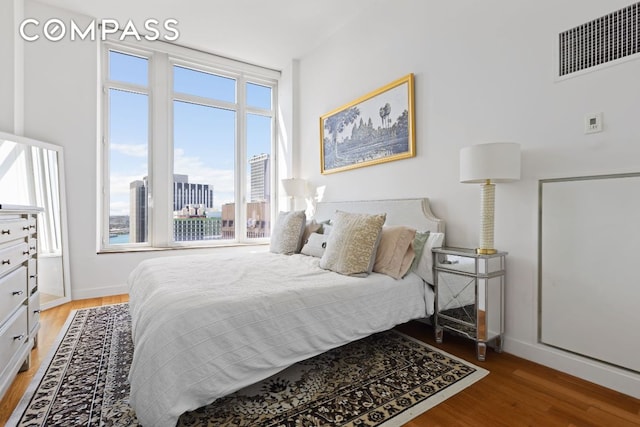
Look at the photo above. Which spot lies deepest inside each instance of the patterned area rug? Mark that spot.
(382, 380)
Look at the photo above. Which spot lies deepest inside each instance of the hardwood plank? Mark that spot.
(516, 392)
(519, 392)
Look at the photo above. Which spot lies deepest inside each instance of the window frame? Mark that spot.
(162, 57)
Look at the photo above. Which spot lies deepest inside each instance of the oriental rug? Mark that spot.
(385, 380)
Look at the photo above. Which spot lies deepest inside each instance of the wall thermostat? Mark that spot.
(593, 123)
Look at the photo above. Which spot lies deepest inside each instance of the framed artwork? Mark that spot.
(375, 128)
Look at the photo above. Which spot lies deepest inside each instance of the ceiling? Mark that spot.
(264, 32)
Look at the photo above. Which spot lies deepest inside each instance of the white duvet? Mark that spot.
(205, 326)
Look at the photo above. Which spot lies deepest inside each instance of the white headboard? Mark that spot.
(414, 213)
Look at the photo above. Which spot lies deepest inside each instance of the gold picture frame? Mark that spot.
(364, 132)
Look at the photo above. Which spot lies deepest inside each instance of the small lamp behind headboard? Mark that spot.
(295, 188)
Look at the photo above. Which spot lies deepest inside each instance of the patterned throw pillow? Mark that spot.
(287, 233)
(352, 244)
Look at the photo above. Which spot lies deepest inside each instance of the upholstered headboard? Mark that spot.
(415, 213)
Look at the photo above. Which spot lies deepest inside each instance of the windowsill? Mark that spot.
(180, 248)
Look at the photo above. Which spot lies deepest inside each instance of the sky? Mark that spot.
(204, 136)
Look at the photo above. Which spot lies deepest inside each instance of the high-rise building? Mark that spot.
(138, 214)
(199, 228)
(190, 196)
(260, 177)
(258, 220)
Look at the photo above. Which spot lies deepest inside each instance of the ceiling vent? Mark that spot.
(606, 39)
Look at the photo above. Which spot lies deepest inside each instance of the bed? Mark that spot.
(205, 326)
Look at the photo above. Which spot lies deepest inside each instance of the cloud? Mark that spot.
(222, 180)
(119, 208)
(133, 150)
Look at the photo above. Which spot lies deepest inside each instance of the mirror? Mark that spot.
(32, 173)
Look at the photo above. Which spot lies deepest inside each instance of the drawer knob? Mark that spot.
(25, 252)
(18, 292)
(36, 311)
(33, 276)
(8, 231)
(6, 261)
(19, 337)
(26, 227)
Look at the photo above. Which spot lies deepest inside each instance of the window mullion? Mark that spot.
(275, 176)
(241, 163)
(207, 102)
(161, 164)
(127, 87)
(104, 153)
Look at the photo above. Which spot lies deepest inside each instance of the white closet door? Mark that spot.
(590, 267)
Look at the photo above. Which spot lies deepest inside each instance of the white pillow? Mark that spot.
(287, 232)
(315, 245)
(424, 266)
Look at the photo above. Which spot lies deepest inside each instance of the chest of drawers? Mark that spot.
(19, 297)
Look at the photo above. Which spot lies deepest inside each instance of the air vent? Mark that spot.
(608, 38)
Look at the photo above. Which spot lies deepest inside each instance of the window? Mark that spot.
(188, 149)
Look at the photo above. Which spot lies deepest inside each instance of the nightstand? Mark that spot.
(469, 299)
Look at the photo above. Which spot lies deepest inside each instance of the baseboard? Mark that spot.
(99, 292)
(622, 380)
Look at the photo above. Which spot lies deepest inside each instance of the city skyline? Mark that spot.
(196, 200)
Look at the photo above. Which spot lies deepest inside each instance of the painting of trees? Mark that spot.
(376, 128)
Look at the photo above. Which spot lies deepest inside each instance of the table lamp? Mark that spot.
(487, 164)
(294, 187)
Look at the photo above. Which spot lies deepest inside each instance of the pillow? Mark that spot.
(423, 266)
(287, 233)
(418, 246)
(352, 244)
(311, 227)
(326, 229)
(315, 245)
(395, 252)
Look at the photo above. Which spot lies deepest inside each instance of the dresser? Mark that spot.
(19, 298)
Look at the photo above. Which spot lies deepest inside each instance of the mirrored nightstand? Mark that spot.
(469, 290)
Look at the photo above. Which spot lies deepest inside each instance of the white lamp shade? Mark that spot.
(497, 161)
(295, 187)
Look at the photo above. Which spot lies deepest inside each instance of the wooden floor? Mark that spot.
(515, 393)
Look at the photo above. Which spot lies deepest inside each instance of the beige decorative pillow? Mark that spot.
(287, 233)
(351, 246)
(395, 251)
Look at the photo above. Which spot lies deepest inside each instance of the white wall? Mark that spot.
(484, 71)
(11, 81)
